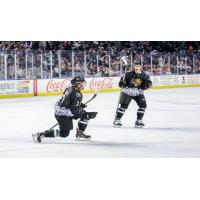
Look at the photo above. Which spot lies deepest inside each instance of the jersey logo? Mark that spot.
(137, 81)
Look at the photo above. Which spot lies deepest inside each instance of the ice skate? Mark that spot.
(139, 124)
(80, 136)
(37, 137)
(117, 123)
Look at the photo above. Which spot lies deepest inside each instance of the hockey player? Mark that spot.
(70, 107)
(133, 86)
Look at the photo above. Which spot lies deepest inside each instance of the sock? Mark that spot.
(120, 113)
(51, 133)
(82, 124)
(140, 113)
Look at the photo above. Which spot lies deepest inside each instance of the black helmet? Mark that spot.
(77, 79)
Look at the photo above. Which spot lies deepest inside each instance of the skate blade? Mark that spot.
(116, 126)
(82, 139)
(139, 126)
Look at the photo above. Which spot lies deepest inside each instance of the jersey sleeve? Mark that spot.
(127, 79)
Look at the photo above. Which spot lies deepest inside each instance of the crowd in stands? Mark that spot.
(96, 58)
(116, 46)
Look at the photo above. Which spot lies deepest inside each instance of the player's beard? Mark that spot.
(81, 86)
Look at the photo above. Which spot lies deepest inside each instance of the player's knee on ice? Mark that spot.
(64, 133)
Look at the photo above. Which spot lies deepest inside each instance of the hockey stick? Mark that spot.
(51, 127)
(94, 96)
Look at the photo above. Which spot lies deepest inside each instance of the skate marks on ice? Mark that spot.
(149, 128)
(136, 145)
(175, 129)
(98, 147)
(122, 149)
(168, 129)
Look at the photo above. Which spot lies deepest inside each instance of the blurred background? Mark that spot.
(59, 59)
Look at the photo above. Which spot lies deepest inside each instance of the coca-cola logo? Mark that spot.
(57, 85)
(99, 84)
(193, 78)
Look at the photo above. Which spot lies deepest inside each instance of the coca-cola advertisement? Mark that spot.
(57, 85)
(100, 84)
(192, 79)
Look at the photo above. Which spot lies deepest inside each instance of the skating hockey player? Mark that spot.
(133, 86)
(70, 107)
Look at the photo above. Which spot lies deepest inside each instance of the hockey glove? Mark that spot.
(147, 85)
(122, 83)
(83, 105)
(91, 115)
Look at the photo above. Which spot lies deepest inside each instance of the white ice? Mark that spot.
(172, 127)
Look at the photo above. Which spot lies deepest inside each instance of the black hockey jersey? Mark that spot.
(69, 104)
(140, 81)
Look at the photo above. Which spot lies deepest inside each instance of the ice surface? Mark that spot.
(172, 127)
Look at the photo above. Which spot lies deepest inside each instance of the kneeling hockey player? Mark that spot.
(70, 107)
(133, 86)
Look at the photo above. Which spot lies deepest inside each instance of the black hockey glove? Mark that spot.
(91, 115)
(122, 83)
(81, 113)
(83, 105)
(147, 82)
(147, 85)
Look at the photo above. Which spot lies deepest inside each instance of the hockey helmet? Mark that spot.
(77, 80)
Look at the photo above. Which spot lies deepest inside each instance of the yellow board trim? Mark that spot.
(5, 96)
(175, 86)
(92, 91)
